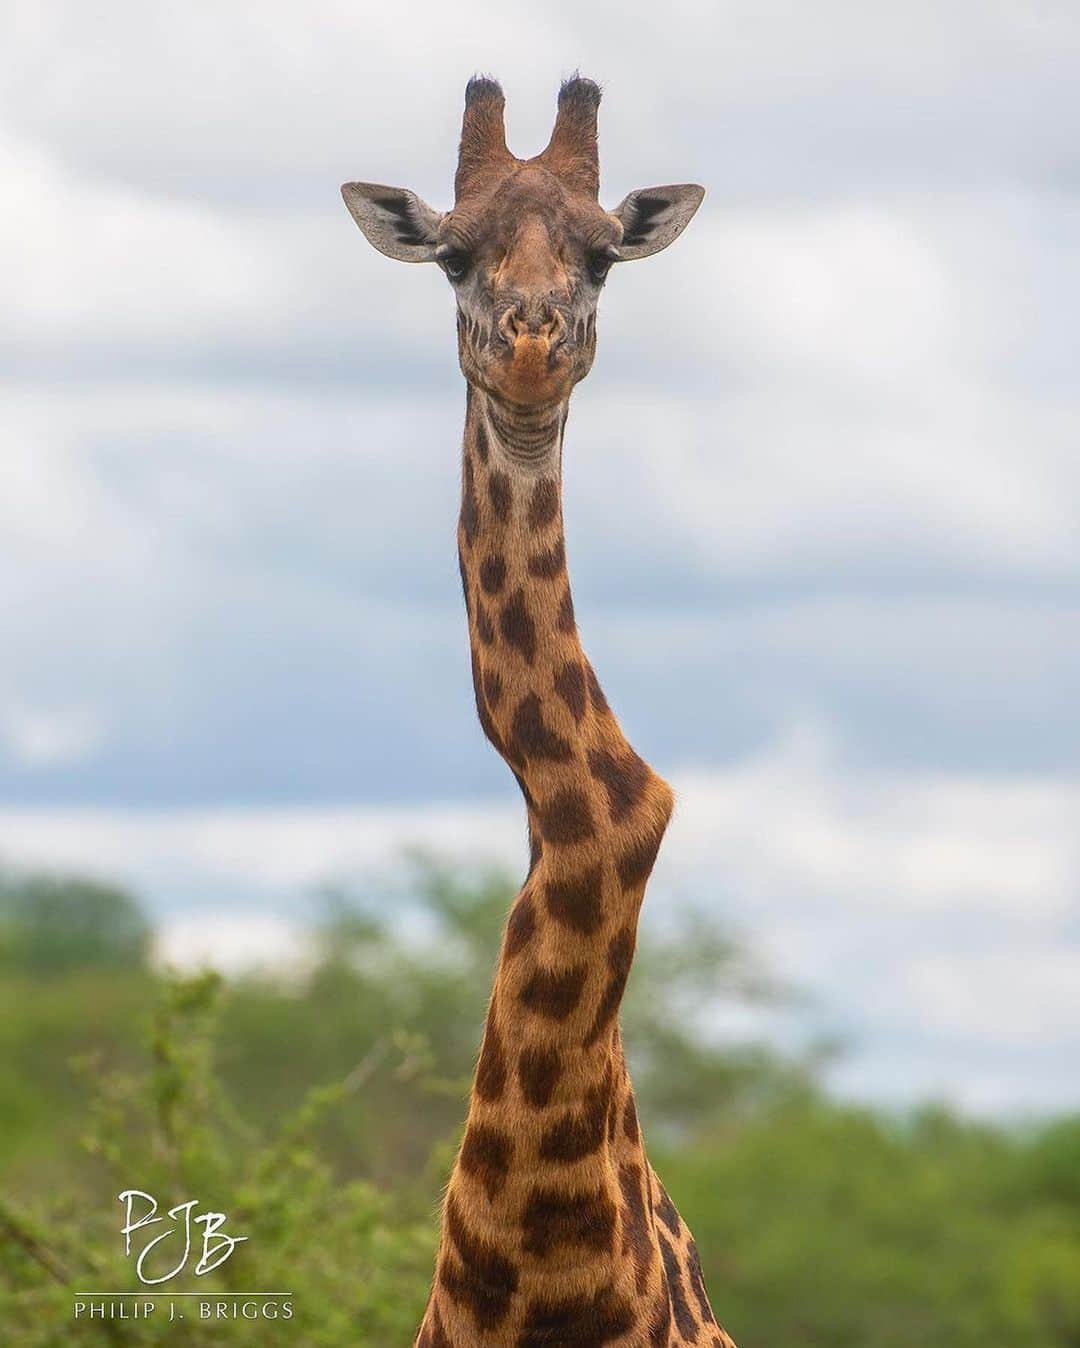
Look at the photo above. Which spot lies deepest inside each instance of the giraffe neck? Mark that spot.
(589, 796)
(549, 1198)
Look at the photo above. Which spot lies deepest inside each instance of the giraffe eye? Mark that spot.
(599, 263)
(454, 263)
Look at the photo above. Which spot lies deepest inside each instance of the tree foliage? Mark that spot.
(52, 925)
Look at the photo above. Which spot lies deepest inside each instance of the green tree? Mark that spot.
(52, 925)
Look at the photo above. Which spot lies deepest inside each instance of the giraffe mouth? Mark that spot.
(534, 357)
(534, 369)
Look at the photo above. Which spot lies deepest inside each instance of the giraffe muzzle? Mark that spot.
(543, 325)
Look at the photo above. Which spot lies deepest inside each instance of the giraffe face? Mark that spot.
(527, 247)
(527, 261)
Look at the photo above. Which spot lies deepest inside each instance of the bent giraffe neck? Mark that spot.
(593, 804)
(552, 1149)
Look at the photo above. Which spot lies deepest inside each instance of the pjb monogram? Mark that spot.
(216, 1246)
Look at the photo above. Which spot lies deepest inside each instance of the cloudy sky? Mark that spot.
(823, 487)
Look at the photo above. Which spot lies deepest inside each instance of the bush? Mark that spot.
(357, 1262)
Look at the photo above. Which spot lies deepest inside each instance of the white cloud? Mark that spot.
(196, 99)
(39, 738)
(791, 827)
(283, 853)
(233, 944)
(1026, 995)
(104, 263)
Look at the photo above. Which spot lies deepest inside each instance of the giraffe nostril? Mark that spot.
(536, 317)
(514, 322)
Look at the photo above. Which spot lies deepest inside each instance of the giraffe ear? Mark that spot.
(653, 217)
(395, 221)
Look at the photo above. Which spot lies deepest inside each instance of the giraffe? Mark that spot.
(555, 1229)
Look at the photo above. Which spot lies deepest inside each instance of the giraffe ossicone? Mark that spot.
(555, 1229)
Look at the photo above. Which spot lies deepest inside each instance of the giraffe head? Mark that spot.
(527, 246)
